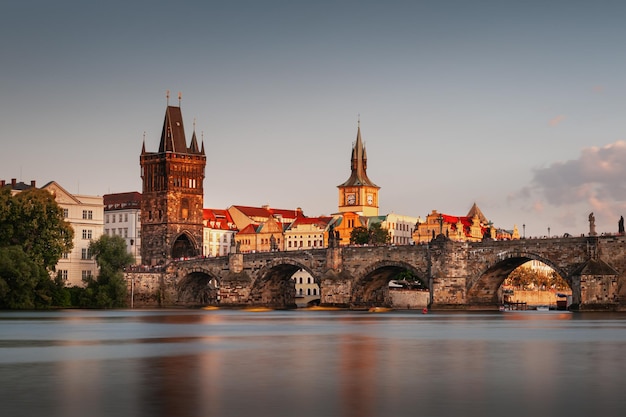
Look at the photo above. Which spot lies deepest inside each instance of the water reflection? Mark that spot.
(347, 364)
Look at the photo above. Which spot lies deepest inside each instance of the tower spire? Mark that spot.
(167, 97)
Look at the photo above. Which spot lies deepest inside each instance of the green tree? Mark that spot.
(21, 280)
(359, 236)
(109, 289)
(33, 236)
(33, 220)
(374, 235)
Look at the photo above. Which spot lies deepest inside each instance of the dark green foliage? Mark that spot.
(22, 281)
(33, 236)
(375, 235)
(109, 289)
(34, 221)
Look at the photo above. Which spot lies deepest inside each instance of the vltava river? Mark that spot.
(303, 363)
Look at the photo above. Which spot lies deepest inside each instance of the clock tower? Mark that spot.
(358, 194)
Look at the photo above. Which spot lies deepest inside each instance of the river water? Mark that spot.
(311, 363)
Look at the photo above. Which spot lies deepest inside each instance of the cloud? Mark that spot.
(595, 179)
(555, 121)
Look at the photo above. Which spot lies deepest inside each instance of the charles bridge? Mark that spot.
(458, 275)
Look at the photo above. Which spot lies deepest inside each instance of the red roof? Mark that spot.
(248, 230)
(218, 219)
(322, 221)
(268, 212)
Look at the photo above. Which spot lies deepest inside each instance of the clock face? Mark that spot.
(351, 199)
(370, 199)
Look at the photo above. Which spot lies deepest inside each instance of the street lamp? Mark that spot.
(524, 228)
(548, 232)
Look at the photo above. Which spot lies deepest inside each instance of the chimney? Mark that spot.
(2, 183)
(32, 184)
(13, 182)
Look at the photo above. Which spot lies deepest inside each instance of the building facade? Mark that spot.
(172, 194)
(307, 233)
(469, 228)
(219, 233)
(122, 217)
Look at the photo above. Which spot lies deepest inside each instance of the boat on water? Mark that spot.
(543, 308)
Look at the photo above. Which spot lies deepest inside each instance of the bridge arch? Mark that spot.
(371, 288)
(198, 287)
(482, 289)
(184, 246)
(273, 286)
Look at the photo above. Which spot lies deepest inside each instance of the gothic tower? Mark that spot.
(172, 194)
(359, 194)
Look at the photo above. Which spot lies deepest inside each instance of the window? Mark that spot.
(87, 214)
(63, 274)
(86, 274)
(87, 234)
(126, 232)
(106, 218)
(65, 255)
(66, 213)
(126, 217)
(84, 253)
(113, 218)
(120, 217)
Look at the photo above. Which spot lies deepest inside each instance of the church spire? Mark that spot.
(358, 164)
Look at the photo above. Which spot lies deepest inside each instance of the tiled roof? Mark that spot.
(249, 229)
(268, 212)
(218, 219)
(121, 201)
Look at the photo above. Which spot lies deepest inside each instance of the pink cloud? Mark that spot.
(557, 120)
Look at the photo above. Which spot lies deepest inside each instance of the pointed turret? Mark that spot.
(173, 133)
(358, 164)
(193, 148)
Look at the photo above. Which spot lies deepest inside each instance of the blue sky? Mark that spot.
(517, 106)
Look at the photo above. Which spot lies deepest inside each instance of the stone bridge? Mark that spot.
(458, 275)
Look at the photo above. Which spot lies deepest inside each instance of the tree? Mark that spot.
(109, 289)
(34, 221)
(375, 235)
(21, 280)
(33, 236)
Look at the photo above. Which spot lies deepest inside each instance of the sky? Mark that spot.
(515, 106)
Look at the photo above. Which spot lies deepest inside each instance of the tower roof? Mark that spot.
(475, 211)
(358, 164)
(173, 134)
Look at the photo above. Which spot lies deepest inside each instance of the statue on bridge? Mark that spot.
(620, 225)
(592, 224)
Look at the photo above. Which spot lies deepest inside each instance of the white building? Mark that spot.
(400, 227)
(85, 215)
(306, 288)
(122, 217)
(218, 233)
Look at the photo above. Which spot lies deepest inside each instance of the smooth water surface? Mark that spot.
(311, 363)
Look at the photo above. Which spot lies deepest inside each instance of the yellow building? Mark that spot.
(307, 233)
(471, 227)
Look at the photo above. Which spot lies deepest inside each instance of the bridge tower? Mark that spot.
(172, 193)
(358, 194)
